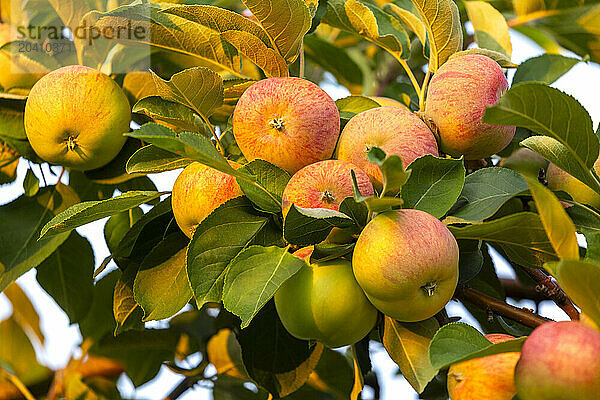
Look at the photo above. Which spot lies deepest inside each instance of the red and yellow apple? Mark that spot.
(322, 301)
(490, 378)
(558, 179)
(397, 131)
(290, 122)
(457, 97)
(324, 184)
(560, 361)
(76, 117)
(406, 261)
(198, 191)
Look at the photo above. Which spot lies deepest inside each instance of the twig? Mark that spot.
(548, 287)
(518, 291)
(491, 304)
(186, 383)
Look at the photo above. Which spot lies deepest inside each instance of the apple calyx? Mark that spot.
(71, 143)
(328, 197)
(277, 123)
(430, 287)
(456, 376)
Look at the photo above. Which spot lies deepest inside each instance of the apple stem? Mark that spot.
(328, 197)
(429, 288)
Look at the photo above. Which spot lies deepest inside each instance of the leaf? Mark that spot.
(31, 184)
(253, 277)
(559, 227)
(369, 21)
(352, 105)
(408, 345)
(67, 276)
(198, 88)
(23, 311)
(266, 58)
(173, 114)
(521, 235)
(20, 223)
(307, 226)
(118, 225)
(89, 211)
(546, 68)
(411, 19)
(556, 115)
(392, 170)
(458, 342)
(502, 59)
(272, 181)
(161, 286)
(99, 320)
(288, 363)
(491, 30)
(470, 260)
(580, 280)
(151, 159)
(434, 184)
(486, 190)
(127, 312)
(216, 241)
(444, 29)
(286, 22)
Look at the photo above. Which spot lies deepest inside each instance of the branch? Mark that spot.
(499, 307)
(186, 383)
(519, 291)
(549, 288)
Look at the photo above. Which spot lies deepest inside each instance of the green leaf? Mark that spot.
(31, 184)
(161, 286)
(521, 235)
(351, 105)
(288, 363)
(307, 226)
(458, 342)
(67, 276)
(470, 260)
(355, 210)
(369, 21)
(568, 139)
(100, 320)
(20, 223)
(500, 58)
(286, 22)
(581, 281)
(444, 29)
(127, 312)
(491, 30)
(392, 170)
(559, 227)
(198, 88)
(254, 276)
(546, 68)
(265, 57)
(89, 211)
(151, 160)
(329, 251)
(408, 345)
(434, 184)
(486, 190)
(272, 181)
(118, 225)
(216, 241)
(174, 114)
(407, 13)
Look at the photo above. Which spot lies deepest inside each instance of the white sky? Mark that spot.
(583, 82)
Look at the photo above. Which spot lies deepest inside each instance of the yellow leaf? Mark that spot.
(225, 353)
(359, 381)
(23, 311)
(412, 21)
(523, 7)
(444, 29)
(267, 59)
(491, 30)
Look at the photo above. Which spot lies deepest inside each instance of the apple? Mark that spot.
(323, 302)
(457, 97)
(560, 360)
(290, 122)
(14, 75)
(388, 102)
(490, 378)
(579, 191)
(406, 261)
(395, 130)
(324, 184)
(198, 191)
(525, 161)
(76, 117)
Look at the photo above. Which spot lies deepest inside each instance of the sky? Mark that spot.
(583, 82)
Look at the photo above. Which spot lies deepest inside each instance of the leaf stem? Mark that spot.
(410, 74)
(302, 62)
(213, 132)
(523, 19)
(423, 91)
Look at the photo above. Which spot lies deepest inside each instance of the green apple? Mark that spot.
(406, 261)
(76, 117)
(322, 301)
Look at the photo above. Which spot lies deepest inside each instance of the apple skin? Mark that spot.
(490, 378)
(406, 261)
(198, 191)
(322, 301)
(579, 191)
(560, 361)
(13, 75)
(76, 117)
(290, 122)
(525, 161)
(324, 184)
(457, 98)
(395, 130)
